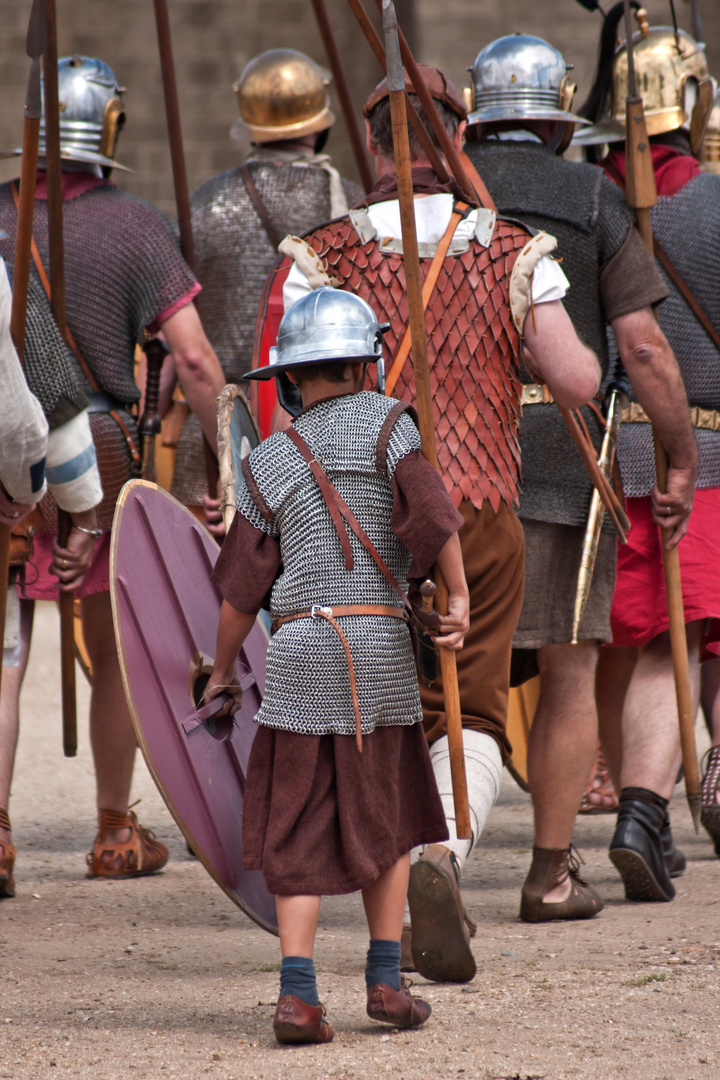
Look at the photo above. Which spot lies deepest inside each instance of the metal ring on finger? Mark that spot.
(64, 564)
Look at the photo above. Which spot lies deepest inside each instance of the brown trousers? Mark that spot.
(493, 550)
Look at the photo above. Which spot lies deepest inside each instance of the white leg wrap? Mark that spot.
(483, 765)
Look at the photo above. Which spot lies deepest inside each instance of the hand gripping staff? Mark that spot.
(57, 304)
(35, 47)
(448, 663)
(641, 195)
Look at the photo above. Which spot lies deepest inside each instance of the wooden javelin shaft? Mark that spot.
(343, 92)
(423, 393)
(57, 304)
(641, 194)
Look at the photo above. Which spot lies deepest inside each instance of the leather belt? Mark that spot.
(704, 419)
(320, 611)
(533, 394)
(102, 402)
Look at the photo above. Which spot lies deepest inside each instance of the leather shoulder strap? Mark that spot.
(260, 207)
(685, 290)
(339, 509)
(484, 197)
(386, 431)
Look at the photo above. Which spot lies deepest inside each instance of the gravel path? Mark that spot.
(165, 977)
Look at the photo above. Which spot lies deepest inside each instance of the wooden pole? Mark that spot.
(641, 194)
(57, 304)
(150, 423)
(423, 391)
(343, 92)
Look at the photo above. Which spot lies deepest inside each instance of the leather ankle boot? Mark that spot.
(674, 858)
(551, 867)
(637, 852)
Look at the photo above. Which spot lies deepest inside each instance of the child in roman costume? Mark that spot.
(334, 516)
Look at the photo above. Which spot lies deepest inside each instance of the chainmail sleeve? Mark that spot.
(611, 217)
(404, 439)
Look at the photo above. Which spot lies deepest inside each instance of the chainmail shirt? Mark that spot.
(50, 368)
(588, 215)
(234, 257)
(688, 227)
(308, 687)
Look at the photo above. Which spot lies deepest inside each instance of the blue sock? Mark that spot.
(383, 963)
(297, 977)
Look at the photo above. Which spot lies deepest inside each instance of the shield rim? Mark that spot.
(139, 733)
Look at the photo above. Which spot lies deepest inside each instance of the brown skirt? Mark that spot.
(322, 819)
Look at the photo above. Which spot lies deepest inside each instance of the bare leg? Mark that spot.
(615, 670)
(112, 736)
(297, 922)
(650, 734)
(12, 678)
(710, 697)
(562, 744)
(384, 901)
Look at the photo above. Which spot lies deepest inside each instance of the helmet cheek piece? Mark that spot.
(701, 114)
(288, 395)
(113, 123)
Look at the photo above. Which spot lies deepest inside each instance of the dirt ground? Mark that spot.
(165, 977)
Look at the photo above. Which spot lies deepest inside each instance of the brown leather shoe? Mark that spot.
(441, 928)
(551, 867)
(406, 961)
(396, 1007)
(297, 1022)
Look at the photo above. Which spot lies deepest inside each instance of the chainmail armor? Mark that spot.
(123, 268)
(472, 349)
(51, 370)
(692, 213)
(588, 215)
(234, 257)
(308, 654)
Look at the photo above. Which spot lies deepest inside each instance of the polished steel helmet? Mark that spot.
(91, 112)
(282, 94)
(673, 80)
(520, 77)
(711, 142)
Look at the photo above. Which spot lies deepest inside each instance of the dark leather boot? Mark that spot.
(637, 853)
(396, 1007)
(674, 858)
(297, 1022)
(551, 867)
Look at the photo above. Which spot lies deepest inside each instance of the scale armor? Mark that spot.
(693, 211)
(588, 215)
(51, 370)
(111, 238)
(287, 503)
(470, 331)
(234, 257)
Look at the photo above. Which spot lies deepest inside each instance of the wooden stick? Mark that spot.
(150, 423)
(57, 304)
(423, 392)
(343, 92)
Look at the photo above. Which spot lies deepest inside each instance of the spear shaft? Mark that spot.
(641, 194)
(423, 392)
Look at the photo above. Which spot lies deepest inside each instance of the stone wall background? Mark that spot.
(213, 39)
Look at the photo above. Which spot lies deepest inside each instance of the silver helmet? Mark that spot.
(520, 77)
(322, 327)
(91, 112)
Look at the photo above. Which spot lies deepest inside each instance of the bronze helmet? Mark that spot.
(282, 94)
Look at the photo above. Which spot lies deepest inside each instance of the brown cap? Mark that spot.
(438, 84)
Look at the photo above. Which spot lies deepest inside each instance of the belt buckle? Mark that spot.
(317, 610)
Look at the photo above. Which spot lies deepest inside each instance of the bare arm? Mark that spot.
(558, 357)
(655, 376)
(455, 624)
(197, 367)
(233, 628)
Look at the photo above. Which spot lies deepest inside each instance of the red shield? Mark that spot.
(166, 615)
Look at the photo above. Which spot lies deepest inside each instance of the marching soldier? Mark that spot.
(475, 336)
(286, 184)
(519, 122)
(124, 276)
(636, 688)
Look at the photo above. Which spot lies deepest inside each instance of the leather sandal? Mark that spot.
(397, 1007)
(710, 811)
(297, 1022)
(550, 867)
(7, 860)
(441, 927)
(600, 796)
(142, 854)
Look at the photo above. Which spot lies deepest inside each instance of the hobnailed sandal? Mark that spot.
(142, 854)
(710, 812)
(7, 861)
(550, 867)
(601, 787)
